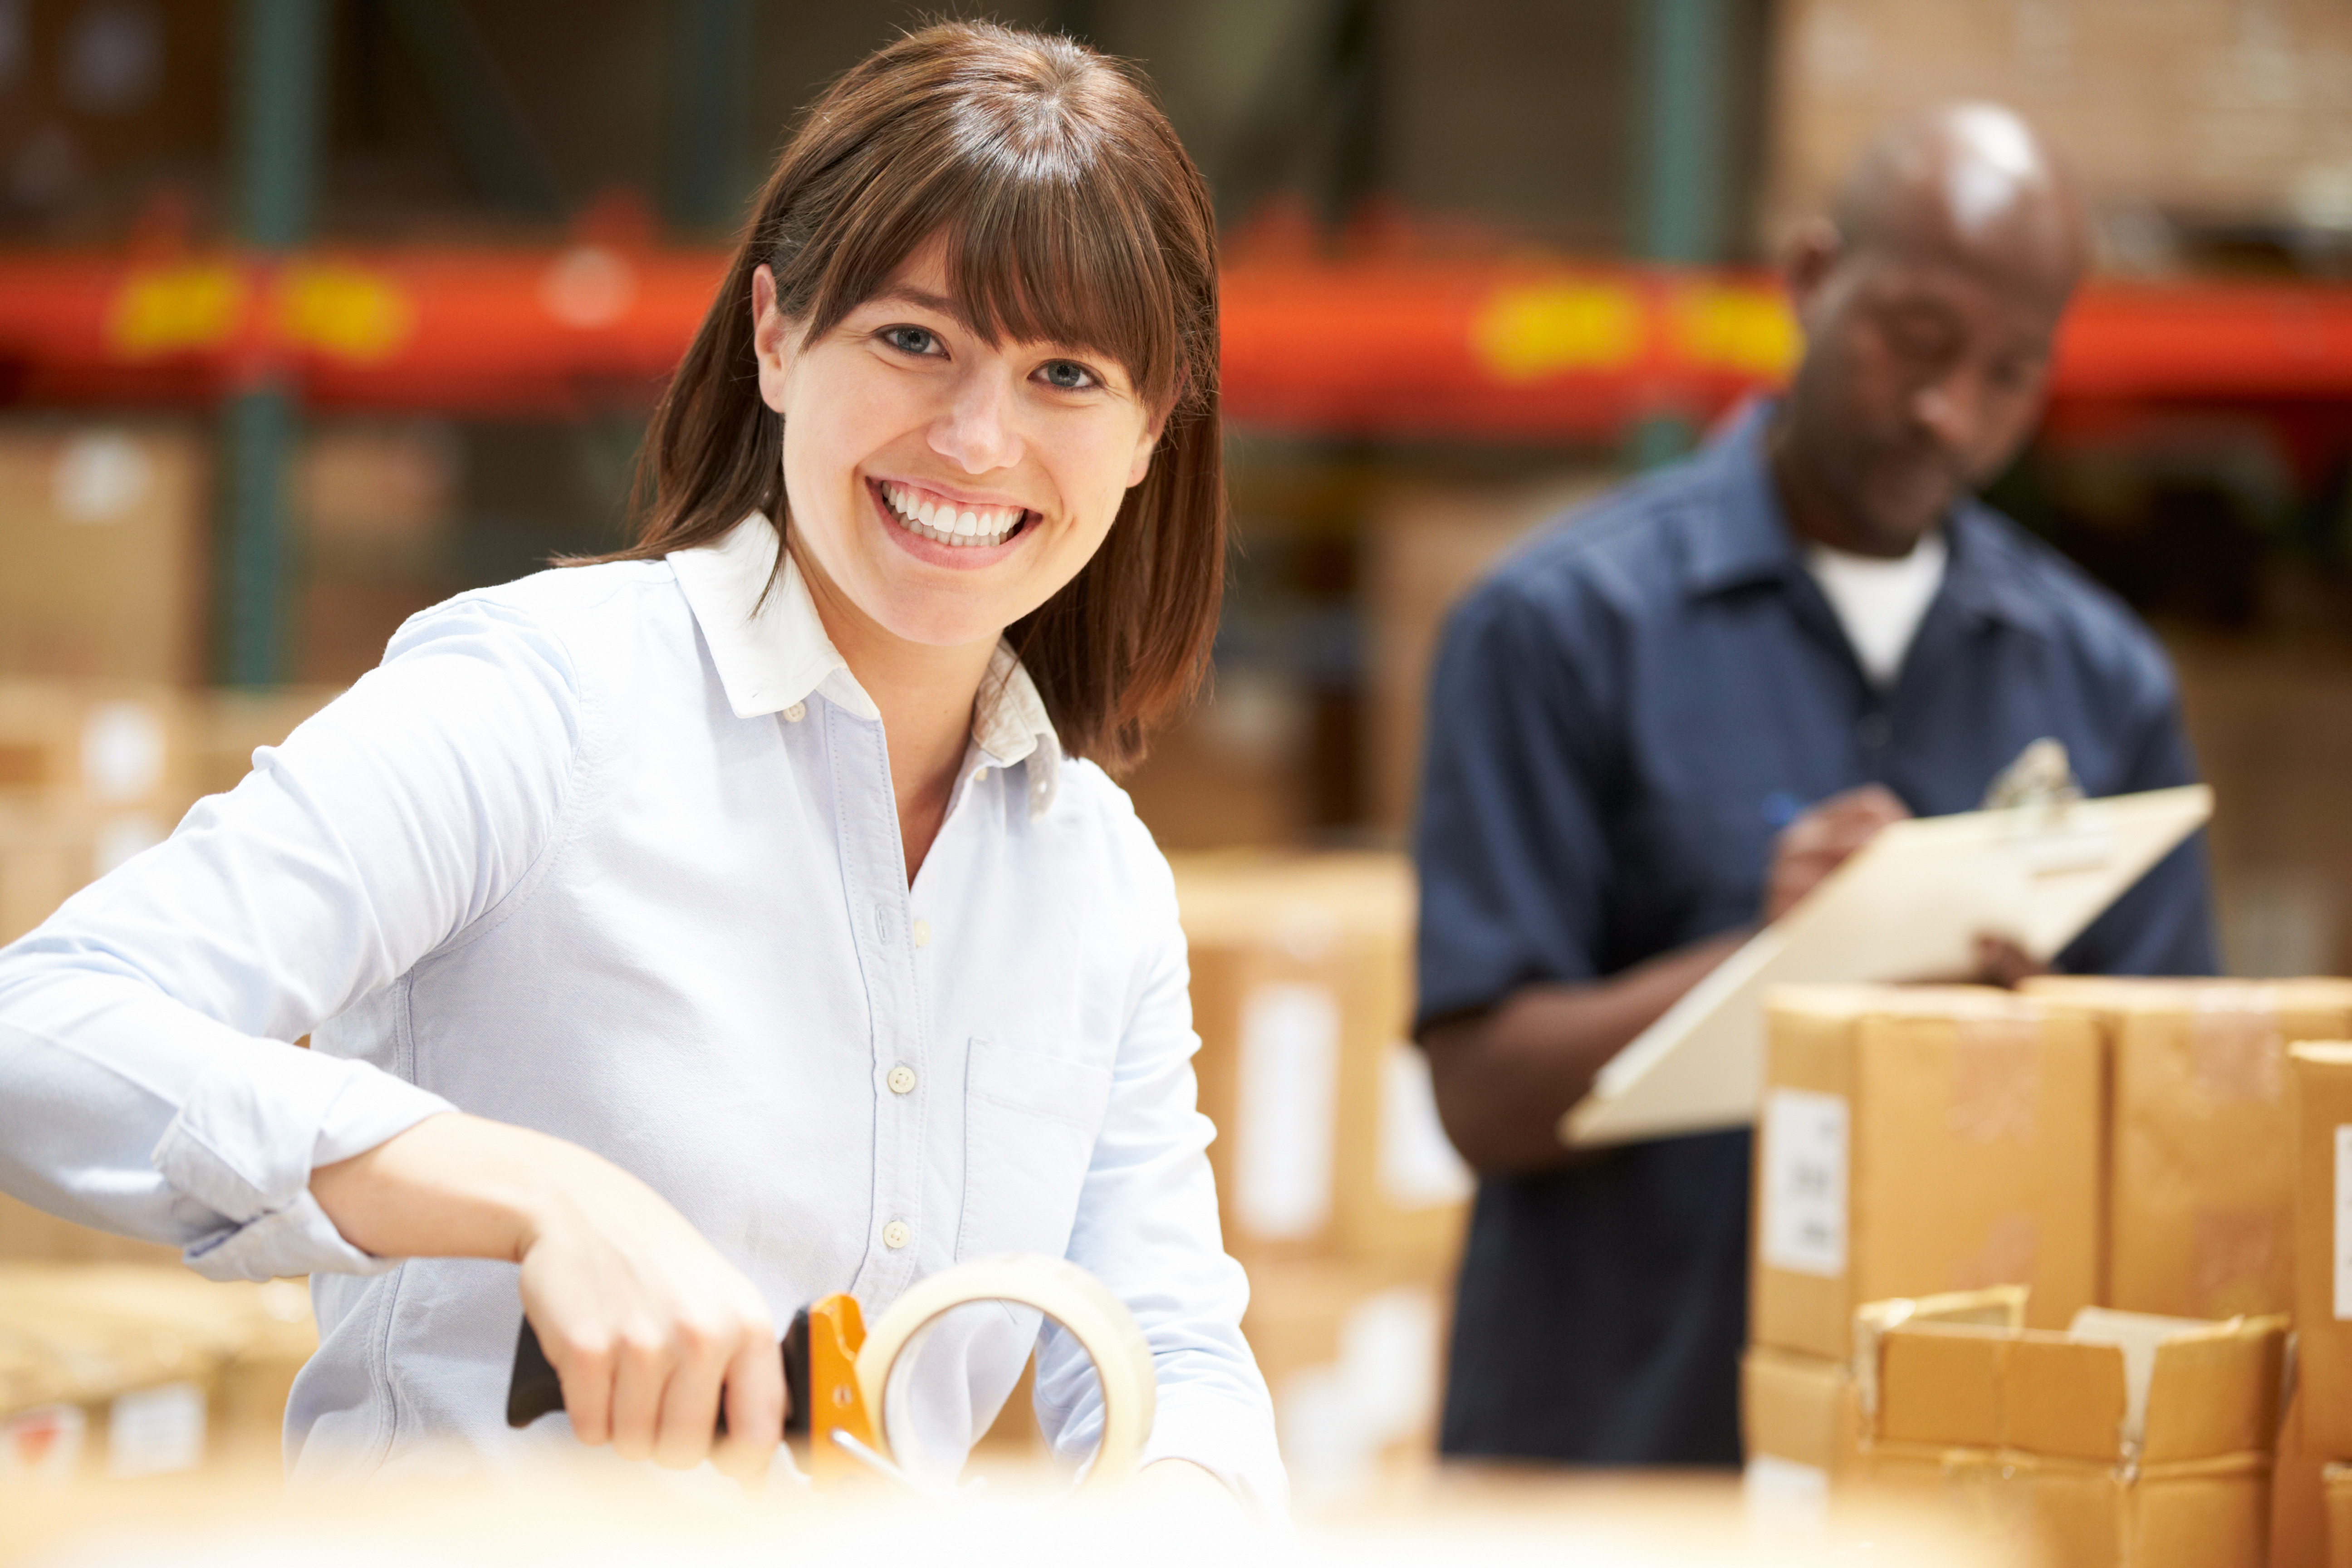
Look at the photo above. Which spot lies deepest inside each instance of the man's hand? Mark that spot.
(1820, 839)
(2000, 962)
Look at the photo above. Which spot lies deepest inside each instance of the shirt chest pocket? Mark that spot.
(1030, 1125)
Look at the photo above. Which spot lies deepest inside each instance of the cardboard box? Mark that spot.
(2321, 1148)
(104, 529)
(2336, 1487)
(2201, 1175)
(1801, 1416)
(89, 776)
(2129, 1439)
(1355, 1358)
(2220, 113)
(96, 1398)
(1302, 990)
(2298, 1498)
(147, 1369)
(1798, 1411)
(1920, 1140)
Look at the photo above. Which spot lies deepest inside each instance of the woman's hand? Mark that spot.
(642, 1319)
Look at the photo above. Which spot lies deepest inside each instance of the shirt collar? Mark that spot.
(771, 650)
(1738, 534)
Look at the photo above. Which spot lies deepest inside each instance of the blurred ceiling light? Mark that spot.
(114, 56)
(588, 286)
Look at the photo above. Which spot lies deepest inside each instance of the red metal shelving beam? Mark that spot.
(1512, 349)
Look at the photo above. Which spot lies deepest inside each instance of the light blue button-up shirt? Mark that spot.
(612, 852)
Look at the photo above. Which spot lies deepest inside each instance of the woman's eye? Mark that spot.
(911, 340)
(1067, 375)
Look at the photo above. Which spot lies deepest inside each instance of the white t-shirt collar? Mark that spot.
(1879, 603)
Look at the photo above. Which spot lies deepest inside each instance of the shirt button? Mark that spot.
(922, 933)
(796, 712)
(895, 1235)
(1874, 731)
(902, 1079)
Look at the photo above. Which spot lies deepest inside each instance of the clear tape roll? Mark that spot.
(1073, 1298)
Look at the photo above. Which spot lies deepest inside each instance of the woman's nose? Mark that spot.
(977, 431)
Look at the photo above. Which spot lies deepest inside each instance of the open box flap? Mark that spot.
(1996, 1306)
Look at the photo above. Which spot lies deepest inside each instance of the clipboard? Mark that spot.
(1908, 906)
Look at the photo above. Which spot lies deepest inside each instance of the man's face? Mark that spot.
(1921, 377)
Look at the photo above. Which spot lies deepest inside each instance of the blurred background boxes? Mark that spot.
(2200, 1180)
(105, 528)
(130, 1370)
(1354, 1355)
(1918, 1140)
(1338, 1187)
(2219, 111)
(93, 773)
(1327, 1140)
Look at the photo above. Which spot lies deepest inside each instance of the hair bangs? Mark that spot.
(1043, 245)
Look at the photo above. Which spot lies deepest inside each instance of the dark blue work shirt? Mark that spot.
(1620, 720)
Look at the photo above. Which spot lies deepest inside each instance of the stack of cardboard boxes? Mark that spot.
(132, 1370)
(93, 773)
(2122, 1153)
(1340, 1192)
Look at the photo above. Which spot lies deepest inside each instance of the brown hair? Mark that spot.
(1070, 215)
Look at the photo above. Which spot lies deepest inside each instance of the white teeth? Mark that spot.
(944, 524)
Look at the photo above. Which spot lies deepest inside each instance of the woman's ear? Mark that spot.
(1145, 444)
(773, 341)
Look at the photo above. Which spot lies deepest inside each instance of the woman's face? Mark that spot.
(944, 486)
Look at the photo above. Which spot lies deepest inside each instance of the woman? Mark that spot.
(693, 933)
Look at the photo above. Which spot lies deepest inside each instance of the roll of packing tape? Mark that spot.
(1073, 1298)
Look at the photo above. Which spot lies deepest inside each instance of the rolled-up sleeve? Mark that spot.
(1147, 1227)
(147, 1084)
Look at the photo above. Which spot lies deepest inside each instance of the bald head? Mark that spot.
(1972, 184)
(1931, 301)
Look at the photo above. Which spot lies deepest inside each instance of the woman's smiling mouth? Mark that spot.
(942, 521)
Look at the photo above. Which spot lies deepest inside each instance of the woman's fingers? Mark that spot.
(584, 1365)
(690, 1407)
(755, 1407)
(643, 1378)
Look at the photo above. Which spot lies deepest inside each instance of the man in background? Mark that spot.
(1670, 716)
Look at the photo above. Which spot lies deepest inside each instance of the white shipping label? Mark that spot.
(1289, 1105)
(1804, 1173)
(2344, 1222)
(156, 1431)
(1419, 1168)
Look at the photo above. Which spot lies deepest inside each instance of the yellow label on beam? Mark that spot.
(347, 312)
(1529, 331)
(1747, 331)
(174, 309)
